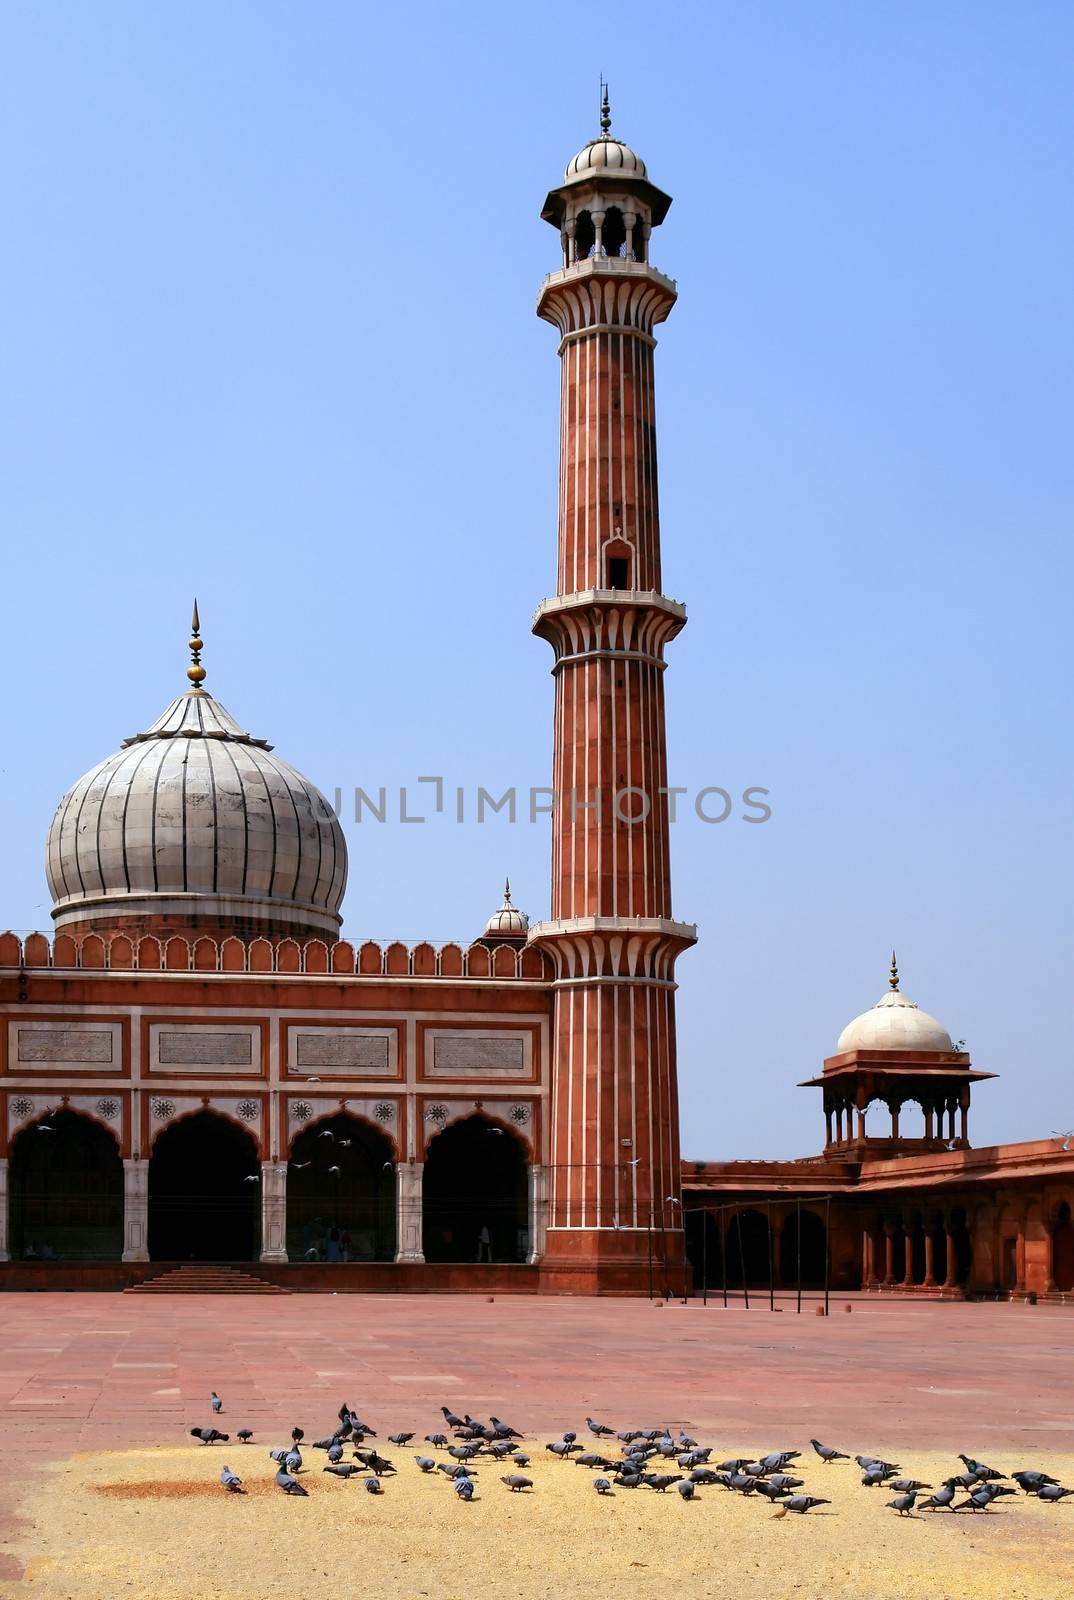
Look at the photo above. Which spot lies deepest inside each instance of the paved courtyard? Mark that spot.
(83, 1377)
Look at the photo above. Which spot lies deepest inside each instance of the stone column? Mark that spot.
(135, 1210)
(868, 1259)
(964, 1123)
(408, 1219)
(894, 1109)
(951, 1276)
(5, 1249)
(538, 1211)
(908, 1258)
(597, 219)
(629, 220)
(828, 1126)
(1049, 1259)
(889, 1252)
(930, 1260)
(274, 1211)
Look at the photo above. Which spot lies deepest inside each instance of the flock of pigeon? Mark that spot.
(641, 1452)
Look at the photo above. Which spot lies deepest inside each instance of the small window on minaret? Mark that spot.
(618, 572)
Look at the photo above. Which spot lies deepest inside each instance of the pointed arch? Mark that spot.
(66, 1187)
(341, 1190)
(475, 1192)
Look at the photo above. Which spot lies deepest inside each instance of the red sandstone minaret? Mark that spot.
(614, 1218)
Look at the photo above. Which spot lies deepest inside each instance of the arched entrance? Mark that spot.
(806, 1236)
(475, 1179)
(66, 1190)
(204, 1191)
(341, 1192)
(747, 1245)
(1063, 1250)
(702, 1228)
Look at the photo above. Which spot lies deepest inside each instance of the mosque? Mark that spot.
(202, 1083)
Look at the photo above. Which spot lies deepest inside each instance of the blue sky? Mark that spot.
(268, 287)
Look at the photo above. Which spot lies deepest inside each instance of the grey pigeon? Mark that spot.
(279, 1456)
(602, 1486)
(342, 1469)
(560, 1449)
(600, 1429)
(704, 1475)
(734, 1465)
(504, 1447)
(569, 1438)
(464, 1452)
(288, 1484)
(1053, 1492)
(745, 1482)
(986, 1474)
(372, 1485)
(868, 1463)
(437, 1440)
(516, 1482)
(209, 1435)
(335, 1452)
(503, 1430)
(216, 1403)
(293, 1461)
(686, 1442)
(941, 1500)
(245, 1435)
(776, 1460)
(457, 1472)
(230, 1481)
(661, 1481)
(451, 1419)
(783, 1480)
(400, 1438)
(1032, 1481)
(426, 1463)
(771, 1491)
(800, 1503)
(298, 1434)
(520, 1459)
(903, 1503)
(826, 1453)
(908, 1485)
(686, 1488)
(464, 1488)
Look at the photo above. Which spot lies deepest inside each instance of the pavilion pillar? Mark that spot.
(951, 1276)
(538, 1210)
(5, 1248)
(907, 1258)
(135, 1210)
(895, 1119)
(868, 1259)
(827, 1125)
(930, 1260)
(889, 1252)
(409, 1244)
(273, 1211)
(1020, 1256)
(964, 1122)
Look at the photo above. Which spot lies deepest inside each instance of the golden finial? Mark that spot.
(195, 672)
(893, 980)
(605, 111)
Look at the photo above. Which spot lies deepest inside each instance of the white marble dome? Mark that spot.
(602, 158)
(195, 819)
(894, 1023)
(508, 922)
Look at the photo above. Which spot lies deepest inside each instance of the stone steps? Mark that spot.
(203, 1279)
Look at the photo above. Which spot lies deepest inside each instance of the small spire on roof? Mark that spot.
(195, 672)
(893, 980)
(605, 111)
(507, 891)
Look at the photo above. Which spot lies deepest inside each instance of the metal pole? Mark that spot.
(704, 1258)
(798, 1250)
(650, 1249)
(771, 1275)
(827, 1248)
(742, 1262)
(723, 1254)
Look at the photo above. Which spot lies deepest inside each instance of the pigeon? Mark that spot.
(602, 1486)
(279, 1456)
(783, 1480)
(744, 1481)
(941, 1500)
(685, 1488)
(293, 1461)
(561, 1449)
(288, 1484)
(660, 1481)
(297, 1434)
(868, 1462)
(344, 1412)
(569, 1438)
(516, 1482)
(335, 1452)
(400, 1438)
(908, 1485)
(437, 1440)
(503, 1447)
(987, 1474)
(686, 1442)
(771, 1491)
(903, 1503)
(464, 1488)
(778, 1459)
(704, 1475)
(982, 1498)
(520, 1459)
(800, 1503)
(453, 1472)
(466, 1452)
(426, 1463)
(1032, 1481)
(600, 1430)
(1053, 1492)
(375, 1462)
(216, 1403)
(341, 1469)
(361, 1427)
(230, 1481)
(734, 1465)
(372, 1485)
(503, 1431)
(451, 1419)
(968, 1480)
(245, 1435)
(874, 1479)
(826, 1453)
(209, 1435)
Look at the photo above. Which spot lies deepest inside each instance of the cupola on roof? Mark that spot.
(605, 160)
(508, 922)
(196, 821)
(894, 1023)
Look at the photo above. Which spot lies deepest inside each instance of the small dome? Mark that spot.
(195, 820)
(894, 1023)
(508, 922)
(605, 157)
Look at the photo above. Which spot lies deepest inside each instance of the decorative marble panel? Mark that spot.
(197, 1048)
(83, 1047)
(343, 1052)
(459, 1053)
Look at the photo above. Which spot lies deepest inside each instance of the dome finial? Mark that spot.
(507, 891)
(195, 672)
(605, 111)
(893, 980)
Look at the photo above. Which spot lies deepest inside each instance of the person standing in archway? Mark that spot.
(484, 1243)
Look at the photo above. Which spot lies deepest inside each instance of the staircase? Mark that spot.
(203, 1278)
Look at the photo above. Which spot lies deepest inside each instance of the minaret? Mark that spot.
(614, 1215)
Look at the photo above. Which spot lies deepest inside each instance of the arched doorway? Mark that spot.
(960, 1242)
(747, 1244)
(204, 1191)
(475, 1179)
(702, 1228)
(1063, 1250)
(812, 1245)
(66, 1187)
(341, 1192)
